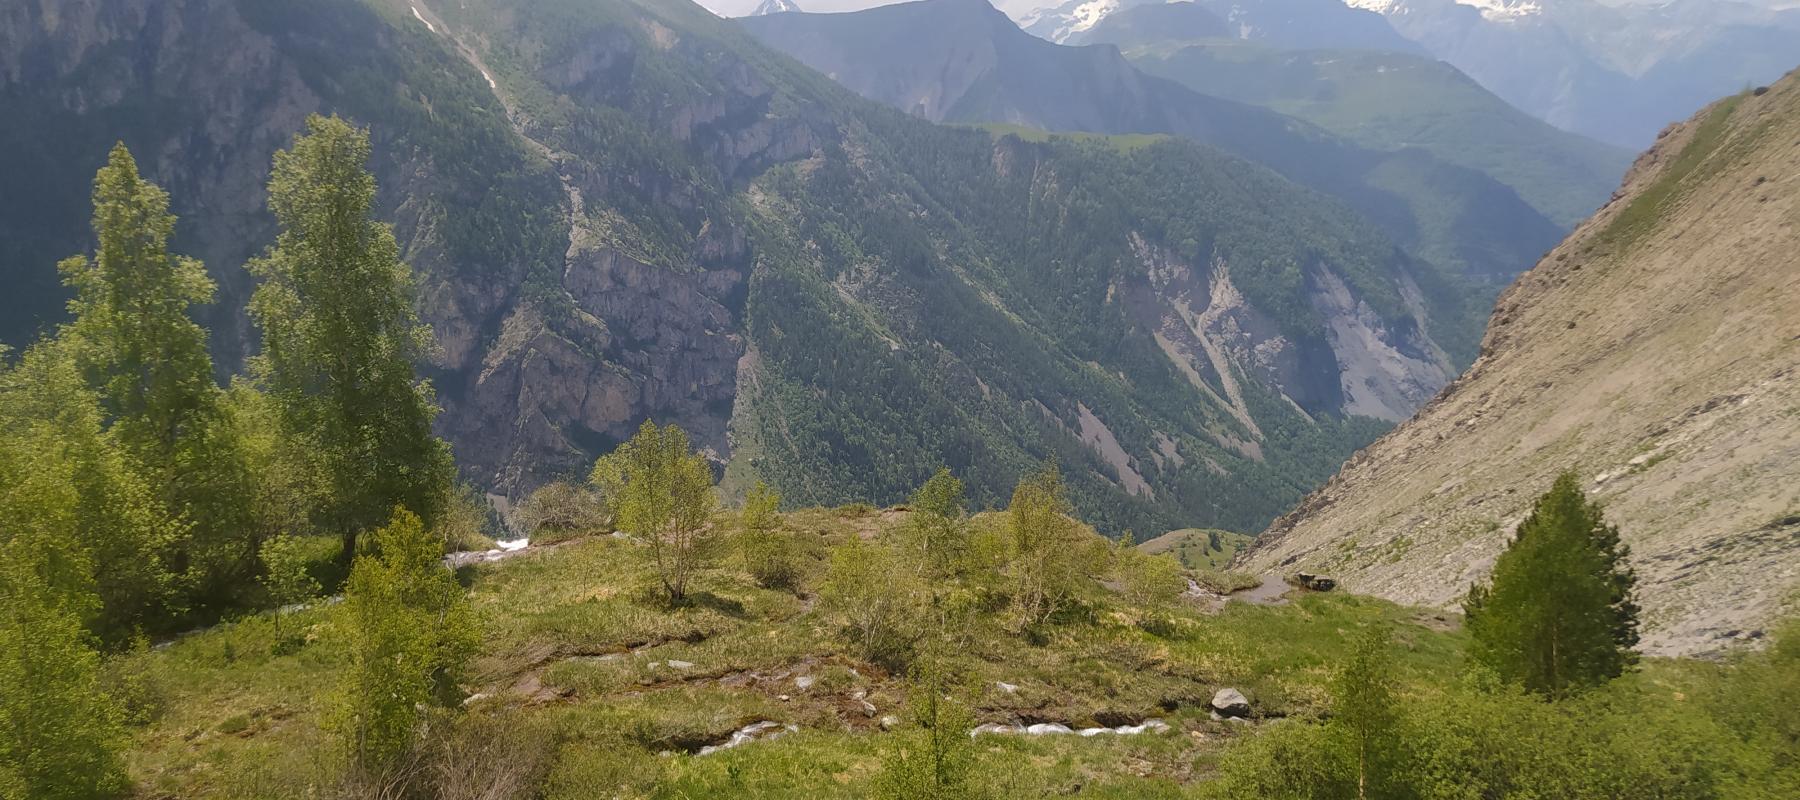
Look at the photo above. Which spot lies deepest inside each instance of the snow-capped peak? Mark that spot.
(1492, 10)
(775, 7)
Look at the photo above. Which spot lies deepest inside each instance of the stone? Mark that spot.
(803, 682)
(1231, 703)
(675, 664)
(868, 708)
(1006, 687)
(889, 722)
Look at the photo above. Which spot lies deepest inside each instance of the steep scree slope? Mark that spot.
(1658, 352)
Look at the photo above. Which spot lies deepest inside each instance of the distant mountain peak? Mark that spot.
(776, 7)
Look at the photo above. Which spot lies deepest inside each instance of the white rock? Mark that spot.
(675, 664)
(804, 682)
(1006, 687)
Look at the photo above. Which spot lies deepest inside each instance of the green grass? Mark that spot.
(1694, 164)
(577, 696)
(577, 650)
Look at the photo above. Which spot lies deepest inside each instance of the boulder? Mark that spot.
(1231, 703)
(1316, 583)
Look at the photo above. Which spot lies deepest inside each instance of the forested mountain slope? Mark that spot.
(1380, 100)
(1658, 352)
(963, 61)
(623, 209)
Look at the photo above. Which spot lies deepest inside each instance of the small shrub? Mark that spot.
(560, 511)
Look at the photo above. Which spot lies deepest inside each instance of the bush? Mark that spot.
(560, 511)
(878, 599)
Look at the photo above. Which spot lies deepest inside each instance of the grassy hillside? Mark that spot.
(1198, 549)
(587, 686)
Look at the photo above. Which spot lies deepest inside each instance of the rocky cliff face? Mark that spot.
(1657, 351)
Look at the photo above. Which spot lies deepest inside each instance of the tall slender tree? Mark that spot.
(938, 526)
(341, 337)
(1364, 717)
(145, 357)
(1558, 616)
(133, 336)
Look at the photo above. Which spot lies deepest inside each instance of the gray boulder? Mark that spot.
(1231, 703)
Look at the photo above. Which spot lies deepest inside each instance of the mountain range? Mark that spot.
(962, 61)
(623, 209)
(1380, 99)
(1656, 353)
(1618, 73)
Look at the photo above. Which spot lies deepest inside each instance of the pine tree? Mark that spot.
(662, 495)
(1364, 717)
(1558, 615)
(933, 758)
(412, 633)
(341, 337)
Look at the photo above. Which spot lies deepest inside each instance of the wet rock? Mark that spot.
(1231, 703)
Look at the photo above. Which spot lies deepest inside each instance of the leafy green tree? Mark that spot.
(879, 600)
(137, 346)
(134, 338)
(341, 337)
(770, 554)
(1049, 557)
(558, 511)
(411, 632)
(285, 576)
(939, 524)
(1364, 714)
(1152, 584)
(1558, 616)
(106, 512)
(933, 758)
(665, 499)
(60, 735)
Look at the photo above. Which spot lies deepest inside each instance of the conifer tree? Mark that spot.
(933, 758)
(1558, 615)
(341, 336)
(411, 634)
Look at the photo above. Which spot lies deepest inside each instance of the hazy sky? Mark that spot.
(732, 8)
